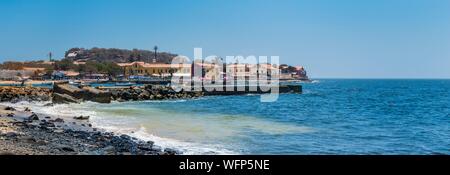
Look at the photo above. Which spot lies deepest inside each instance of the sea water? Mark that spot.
(330, 117)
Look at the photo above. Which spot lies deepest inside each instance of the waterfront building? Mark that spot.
(206, 71)
(250, 71)
(155, 70)
(241, 71)
(293, 73)
(95, 77)
(301, 73)
(65, 75)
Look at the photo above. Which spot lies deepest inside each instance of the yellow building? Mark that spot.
(158, 70)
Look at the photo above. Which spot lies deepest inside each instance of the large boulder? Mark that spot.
(85, 93)
(96, 95)
(64, 98)
(69, 90)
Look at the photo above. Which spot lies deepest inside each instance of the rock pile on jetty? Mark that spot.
(65, 93)
(16, 94)
(151, 92)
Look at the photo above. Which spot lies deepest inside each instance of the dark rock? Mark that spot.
(124, 144)
(127, 137)
(33, 117)
(11, 134)
(20, 124)
(65, 148)
(146, 147)
(47, 125)
(27, 109)
(59, 120)
(169, 151)
(9, 108)
(64, 98)
(81, 118)
(10, 115)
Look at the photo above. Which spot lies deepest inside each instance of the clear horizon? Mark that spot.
(332, 39)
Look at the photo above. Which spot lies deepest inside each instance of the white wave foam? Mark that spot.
(185, 147)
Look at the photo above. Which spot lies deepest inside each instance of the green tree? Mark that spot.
(65, 64)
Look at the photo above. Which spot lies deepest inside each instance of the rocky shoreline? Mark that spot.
(23, 132)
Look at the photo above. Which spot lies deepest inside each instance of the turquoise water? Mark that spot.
(331, 117)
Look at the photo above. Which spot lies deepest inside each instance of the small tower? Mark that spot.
(156, 53)
(50, 56)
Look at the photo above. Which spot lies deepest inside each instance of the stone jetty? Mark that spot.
(151, 92)
(66, 93)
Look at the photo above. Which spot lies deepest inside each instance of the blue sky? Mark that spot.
(331, 38)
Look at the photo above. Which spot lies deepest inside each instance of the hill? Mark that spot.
(118, 55)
